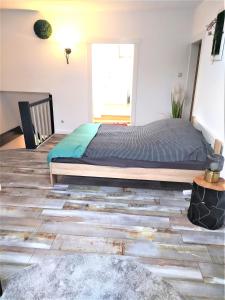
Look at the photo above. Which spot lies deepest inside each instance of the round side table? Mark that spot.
(207, 206)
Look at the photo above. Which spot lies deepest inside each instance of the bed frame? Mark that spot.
(156, 174)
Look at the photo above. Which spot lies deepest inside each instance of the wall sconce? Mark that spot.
(67, 37)
(67, 54)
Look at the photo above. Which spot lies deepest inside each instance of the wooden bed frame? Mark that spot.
(156, 174)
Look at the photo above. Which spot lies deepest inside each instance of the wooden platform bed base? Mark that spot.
(154, 174)
(171, 175)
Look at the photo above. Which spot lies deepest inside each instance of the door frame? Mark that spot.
(136, 44)
(195, 78)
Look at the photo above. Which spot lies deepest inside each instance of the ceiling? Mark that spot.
(134, 5)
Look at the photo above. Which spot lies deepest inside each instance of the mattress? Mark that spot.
(170, 143)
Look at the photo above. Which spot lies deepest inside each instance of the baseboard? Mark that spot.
(10, 135)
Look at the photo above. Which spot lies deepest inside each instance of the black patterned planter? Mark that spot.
(207, 206)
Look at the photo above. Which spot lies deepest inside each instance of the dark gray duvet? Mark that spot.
(171, 143)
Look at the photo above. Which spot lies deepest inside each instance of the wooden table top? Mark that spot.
(219, 186)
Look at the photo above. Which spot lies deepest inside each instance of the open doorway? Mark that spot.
(112, 82)
(192, 80)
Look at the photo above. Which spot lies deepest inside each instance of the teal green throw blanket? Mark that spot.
(75, 144)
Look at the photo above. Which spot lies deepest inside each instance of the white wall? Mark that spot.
(209, 100)
(204, 13)
(9, 110)
(34, 65)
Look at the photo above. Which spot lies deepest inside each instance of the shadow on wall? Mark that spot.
(9, 109)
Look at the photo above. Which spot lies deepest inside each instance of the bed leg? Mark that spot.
(52, 179)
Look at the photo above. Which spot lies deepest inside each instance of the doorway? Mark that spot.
(192, 80)
(112, 82)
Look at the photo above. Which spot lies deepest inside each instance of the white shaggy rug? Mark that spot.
(87, 277)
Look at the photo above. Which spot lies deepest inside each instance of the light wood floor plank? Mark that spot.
(206, 238)
(107, 231)
(25, 201)
(198, 289)
(213, 273)
(26, 239)
(109, 218)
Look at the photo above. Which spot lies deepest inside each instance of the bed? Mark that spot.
(167, 150)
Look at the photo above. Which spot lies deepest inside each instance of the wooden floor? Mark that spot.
(146, 224)
(113, 119)
(16, 143)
